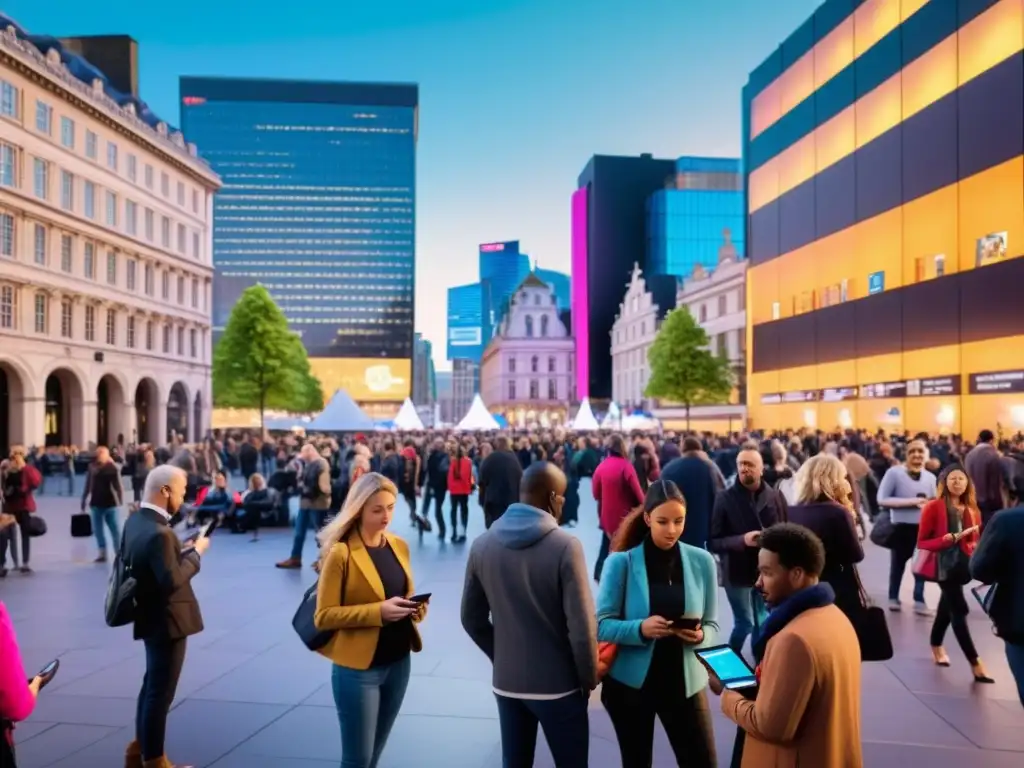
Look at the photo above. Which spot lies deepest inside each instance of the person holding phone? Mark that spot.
(658, 601)
(949, 526)
(17, 697)
(364, 597)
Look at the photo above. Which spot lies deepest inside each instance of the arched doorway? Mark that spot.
(177, 411)
(147, 416)
(110, 405)
(12, 407)
(197, 418)
(63, 409)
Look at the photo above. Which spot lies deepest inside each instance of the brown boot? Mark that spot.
(291, 564)
(163, 762)
(133, 756)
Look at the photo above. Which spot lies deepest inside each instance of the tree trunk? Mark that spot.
(687, 417)
(263, 400)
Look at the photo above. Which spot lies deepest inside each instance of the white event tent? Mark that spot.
(478, 418)
(585, 420)
(341, 414)
(408, 419)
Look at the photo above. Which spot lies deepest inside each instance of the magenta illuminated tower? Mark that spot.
(580, 300)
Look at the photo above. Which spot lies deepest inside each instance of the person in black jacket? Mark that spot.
(500, 476)
(103, 495)
(258, 501)
(438, 462)
(166, 609)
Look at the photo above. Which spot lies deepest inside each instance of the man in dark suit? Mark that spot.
(166, 610)
(500, 476)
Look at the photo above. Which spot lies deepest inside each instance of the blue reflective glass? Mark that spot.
(690, 227)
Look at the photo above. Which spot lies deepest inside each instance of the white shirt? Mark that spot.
(155, 508)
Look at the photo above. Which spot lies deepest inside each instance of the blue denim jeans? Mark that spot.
(105, 516)
(748, 615)
(566, 729)
(1015, 658)
(368, 701)
(304, 520)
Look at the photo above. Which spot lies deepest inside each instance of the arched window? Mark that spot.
(529, 326)
(551, 364)
(534, 364)
(544, 325)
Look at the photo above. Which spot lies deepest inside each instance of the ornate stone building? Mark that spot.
(526, 370)
(634, 330)
(105, 260)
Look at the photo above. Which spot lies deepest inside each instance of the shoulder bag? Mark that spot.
(871, 626)
(121, 589)
(303, 621)
(882, 530)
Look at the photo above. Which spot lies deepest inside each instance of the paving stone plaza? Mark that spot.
(251, 696)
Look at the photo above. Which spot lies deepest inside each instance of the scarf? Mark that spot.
(818, 596)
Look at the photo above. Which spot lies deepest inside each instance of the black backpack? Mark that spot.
(121, 589)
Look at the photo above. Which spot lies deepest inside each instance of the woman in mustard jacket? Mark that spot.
(365, 583)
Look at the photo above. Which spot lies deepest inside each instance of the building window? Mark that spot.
(181, 238)
(131, 268)
(130, 333)
(111, 268)
(776, 310)
(511, 365)
(511, 390)
(66, 313)
(90, 323)
(132, 168)
(552, 390)
(89, 193)
(8, 307)
(111, 209)
(41, 178)
(195, 201)
(195, 293)
(721, 306)
(6, 235)
(181, 289)
(42, 320)
(89, 261)
(181, 194)
(9, 100)
(165, 185)
(552, 365)
(206, 300)
(534, 364)
(149, 224)
(534, 389)
(703, 313)
(67, 191)
(112, 156)
(44, 117)
(148, 280)
(193, 343)
(39, 250)
(131, 217)
(181, 341)
(544, 325)
(195, 245)
(149, 335)
(940, 265)
(529, 326)
(167, 339)
(165, 232)
(67, 132)
(165, 286)
(66, 253)
(111, 327)
(8, 166)
(147, 176)
(91, 142)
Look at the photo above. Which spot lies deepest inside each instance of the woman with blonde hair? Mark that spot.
(363, 597)
(825, 505)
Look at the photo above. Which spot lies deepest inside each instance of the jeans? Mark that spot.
(566, 729)
(368, 701)
(602, 555)
(164, 659)
(748, 612)
(437, 496)
(304, 520)
(953, 610)
(904, 542)
(105, 516)
(8, 536)
(460, 503)
(1015, 658)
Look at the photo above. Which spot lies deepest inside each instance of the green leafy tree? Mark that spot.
(260, 363)
(683, 369)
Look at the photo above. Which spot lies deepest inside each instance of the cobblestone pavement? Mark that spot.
(252, 697)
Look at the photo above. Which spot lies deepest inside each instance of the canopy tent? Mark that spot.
(613, 419)
(287, 424)
(478, 419)
(341, 414)
(585, 420)
(408, 419)
(640, 422)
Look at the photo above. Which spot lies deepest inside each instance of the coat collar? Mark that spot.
(638, 567)
(361, 557)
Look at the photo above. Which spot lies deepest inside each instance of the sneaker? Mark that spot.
(24, 569)
(923, 610)
(895, 606)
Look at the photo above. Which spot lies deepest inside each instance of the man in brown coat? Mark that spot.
(807, 707)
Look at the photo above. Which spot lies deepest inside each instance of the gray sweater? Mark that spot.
(897, 484)
(527, 604)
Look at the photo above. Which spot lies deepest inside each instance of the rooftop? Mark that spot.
(300, 91)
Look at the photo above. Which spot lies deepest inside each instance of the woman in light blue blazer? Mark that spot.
(650, 580)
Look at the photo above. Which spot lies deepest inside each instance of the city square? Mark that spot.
(252, 697)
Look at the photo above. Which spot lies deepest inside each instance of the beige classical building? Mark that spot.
(633, 332)
(105, 264)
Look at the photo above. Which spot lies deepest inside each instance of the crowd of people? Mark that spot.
(778, 521)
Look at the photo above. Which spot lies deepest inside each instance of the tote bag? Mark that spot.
(872, 627)
(305, 627)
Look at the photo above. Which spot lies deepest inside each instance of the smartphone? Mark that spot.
(47, 673)
(421, 598)
(691, 623)
(728, 666)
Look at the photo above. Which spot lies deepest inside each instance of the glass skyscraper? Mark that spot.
(502, 269)
(465, 322)
(319, 206)
(559, 284)
(701, 212)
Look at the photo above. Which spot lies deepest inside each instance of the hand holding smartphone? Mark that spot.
(425, 597)
(691, 623)
(46, 674)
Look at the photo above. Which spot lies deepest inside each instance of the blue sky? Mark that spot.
(515, 95)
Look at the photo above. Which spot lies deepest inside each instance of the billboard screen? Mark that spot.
(365, 379)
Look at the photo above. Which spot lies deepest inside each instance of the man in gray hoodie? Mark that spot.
(527, 604)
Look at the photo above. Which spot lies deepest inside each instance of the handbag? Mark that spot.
(304, 625)
(81, 525)
(607, 652)
(926, 564)
(35, 526)
(883, 529)
(872, 627)
(119, 607)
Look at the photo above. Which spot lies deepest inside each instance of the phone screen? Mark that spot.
(209, 528)
(46, 673)
(730, 667)
(685, 622)
(421, 598)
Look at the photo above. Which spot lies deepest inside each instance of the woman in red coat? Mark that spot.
(617, 491)
(460, 485)
(20, 482)
(947, 536)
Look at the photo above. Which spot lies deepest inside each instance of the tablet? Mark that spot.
(728, 666)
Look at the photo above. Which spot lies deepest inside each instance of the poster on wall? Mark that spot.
(996, 382)
(991, 248)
